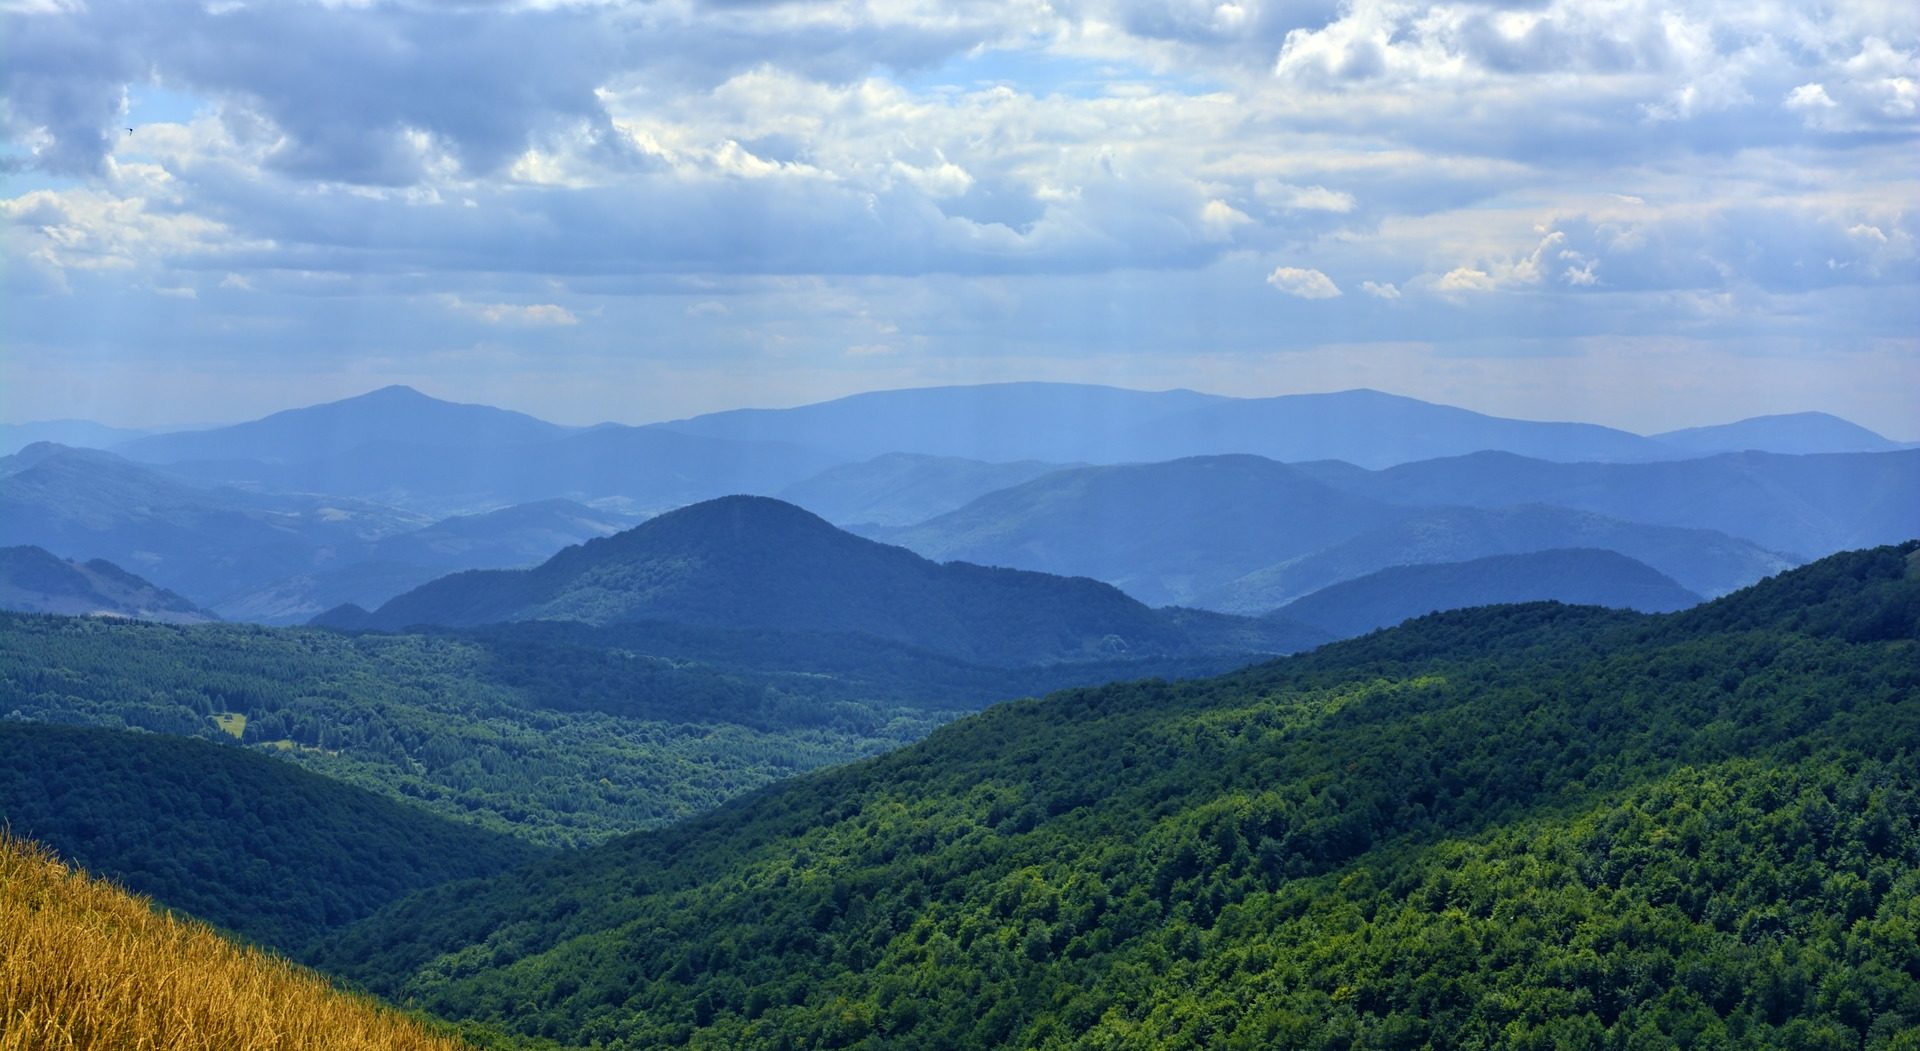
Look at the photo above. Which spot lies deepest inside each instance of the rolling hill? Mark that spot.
(1578, 576)
(1516, 826)
(900, 489)
(758, 562)
(1163, 532)
(33, 580)
(1801, 505)
(1700, 560)
(1798, 433)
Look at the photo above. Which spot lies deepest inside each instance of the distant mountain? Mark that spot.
(395, 415)
(1796, 433)
(1373, 429)
(1166, 533)
(234, 837)
(78, 433)
(994, 422)
(758, 562)
(33, 580)
(900, 489)
(1802, 505)
(640, 470)
(206, 543)
(1702, 561)
(1577, 576)
(1067, 422)
(371, 573)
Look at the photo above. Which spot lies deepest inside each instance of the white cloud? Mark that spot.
(1381, 290)
(517, 314)
(1304, 283)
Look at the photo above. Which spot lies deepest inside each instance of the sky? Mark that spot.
(1646, 214)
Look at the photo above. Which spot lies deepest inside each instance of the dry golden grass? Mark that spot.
(84, 965)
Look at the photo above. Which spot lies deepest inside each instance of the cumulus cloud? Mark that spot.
(1381, 289)
(1304, 283)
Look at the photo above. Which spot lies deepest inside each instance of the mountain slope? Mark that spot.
(399, 415)
(1515, 826)
(1800, 505)
(756, 562)
(899, 489)
(1796, 433)
(1373, 429)
(1578, 576)
(33, 580)
(84, 964)
(1067, 422)
(81, 433)
(1162, 532)
(205, 543)
(233, 837)
(1700, 560)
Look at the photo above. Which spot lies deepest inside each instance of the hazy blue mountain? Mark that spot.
(757, 562)
(1372, 429)
(900, 489)
(1165, 533)
(34, 580)
(1804, 505)
(640, 470)
(995, 422)
(370, 574)
(1069, 422)
(78, 433)
(1578, 576)
(1702, 561)
(1795, 433)
(206, 543)
(397, 415)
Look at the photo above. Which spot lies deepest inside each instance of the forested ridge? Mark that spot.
(562, 734)
(1519, 826)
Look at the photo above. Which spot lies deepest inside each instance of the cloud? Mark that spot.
(518, 314)
(1380, 290)
(1306, 284)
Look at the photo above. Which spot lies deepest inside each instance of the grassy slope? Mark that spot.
(84, 965)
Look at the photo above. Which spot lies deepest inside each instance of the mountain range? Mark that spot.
(757, 562)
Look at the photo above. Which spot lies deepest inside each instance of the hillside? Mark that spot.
(1520, 826)
(84, 965)
(899, 489)
(560, 734)
(1797, 433)
(757, 562)
(1700, 560)
(207, 543)
(1798, 505)
(1578, 576)
(236, 838)
(1162, 532)
(33, 580)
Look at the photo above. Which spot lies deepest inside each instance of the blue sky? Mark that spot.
(1644, 214)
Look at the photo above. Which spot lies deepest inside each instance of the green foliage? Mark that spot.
(1523, 826)
(561, 734)
(238, 839)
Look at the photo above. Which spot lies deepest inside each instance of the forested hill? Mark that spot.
(754, 562)
(233, 837)
(1517, 826)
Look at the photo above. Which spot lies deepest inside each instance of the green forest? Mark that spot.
(1520, 826)
(561, 734)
